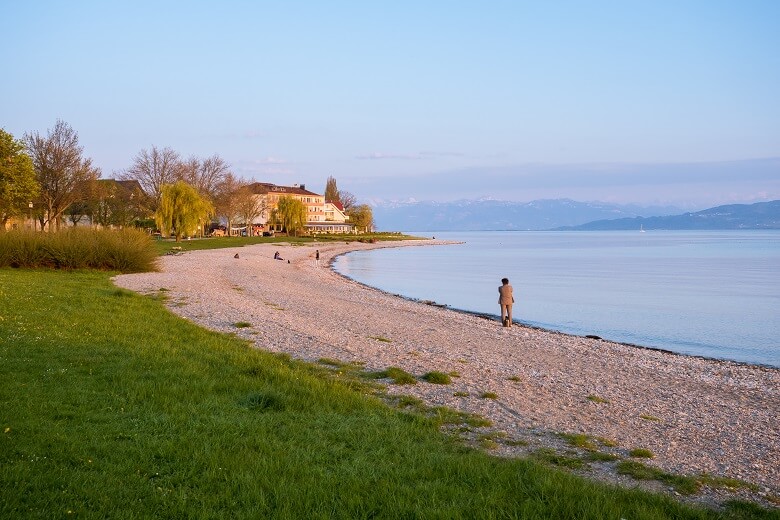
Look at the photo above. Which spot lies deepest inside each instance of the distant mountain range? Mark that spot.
(566, 214)
(761, 215)
(487, 215)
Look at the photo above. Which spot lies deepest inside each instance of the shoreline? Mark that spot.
(696, 415)
(496, 318)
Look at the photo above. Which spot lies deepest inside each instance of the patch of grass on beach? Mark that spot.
(437, 378)
(112, 407)
(683, 484)
(608, 443)
(550, 456)
(600, 456)
(597, 399)
(516, 442)
(726, 482)
(579, 440)
(488, 395)
(647, 417)
(381, 338)
(242, 324)
(516, 379)
(489, 441)
(399, 376)
(460, 394)
(641, 453)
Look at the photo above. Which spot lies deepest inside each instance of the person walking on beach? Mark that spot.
(317, 258)
(505, 300)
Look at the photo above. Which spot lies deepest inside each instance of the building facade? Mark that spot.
(321, 216)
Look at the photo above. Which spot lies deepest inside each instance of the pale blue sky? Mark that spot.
(636, 101)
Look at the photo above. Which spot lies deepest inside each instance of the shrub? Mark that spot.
(127, 250)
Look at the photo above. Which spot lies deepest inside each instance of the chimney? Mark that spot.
(303, 186)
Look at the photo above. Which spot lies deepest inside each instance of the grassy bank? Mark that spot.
(165, 246)
(111, 407)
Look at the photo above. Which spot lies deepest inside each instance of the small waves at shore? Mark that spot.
(711, 294)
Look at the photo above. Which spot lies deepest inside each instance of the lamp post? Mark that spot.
(33, 222)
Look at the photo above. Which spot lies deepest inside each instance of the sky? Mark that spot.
(647, 102)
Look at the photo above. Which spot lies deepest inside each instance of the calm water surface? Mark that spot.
(713, 294)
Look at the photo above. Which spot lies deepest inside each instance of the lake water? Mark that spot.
(714, 294)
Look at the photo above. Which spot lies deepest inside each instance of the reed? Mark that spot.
(126, 250)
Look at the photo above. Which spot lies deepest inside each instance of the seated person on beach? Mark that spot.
(277, 256)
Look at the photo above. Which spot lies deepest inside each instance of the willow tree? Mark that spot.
(292, 214)
(182, 210)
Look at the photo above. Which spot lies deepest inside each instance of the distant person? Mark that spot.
(317, 258)
(505, 300)
(277, 256)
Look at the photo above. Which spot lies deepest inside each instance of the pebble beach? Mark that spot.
(694, 415)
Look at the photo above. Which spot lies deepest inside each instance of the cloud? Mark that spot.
(407, 156)
(380, 155)
(271, 160)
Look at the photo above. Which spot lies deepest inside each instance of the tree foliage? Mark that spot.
(291, 213)
(153, 169)
(226, 201)
(111, 203)
(18, 186)
(181, 210)
(204, 175)
(249, 207)
(362, 216)
(331, 190)
(60, 170)
(347, 200)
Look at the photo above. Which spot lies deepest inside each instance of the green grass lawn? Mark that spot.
(112, 407)
(164, 246)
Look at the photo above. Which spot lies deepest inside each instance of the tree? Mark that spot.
(347, 200)
(60, 170)
(331, 191)
(112, 203)
(292, 214)
(153, 169)
(181, 210)
(248, 205)
(225, 200)
(362, 217)
(205, 175)
(18, 186)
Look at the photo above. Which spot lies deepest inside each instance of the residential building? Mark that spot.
(322, 216)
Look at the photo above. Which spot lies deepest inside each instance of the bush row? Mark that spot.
(127, 250)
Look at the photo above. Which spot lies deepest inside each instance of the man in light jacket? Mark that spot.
(505, 300)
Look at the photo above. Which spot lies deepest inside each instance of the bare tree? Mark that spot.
(248, 206)
(225, 200)
(347, 200)
(60, 169)
(152, 169)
